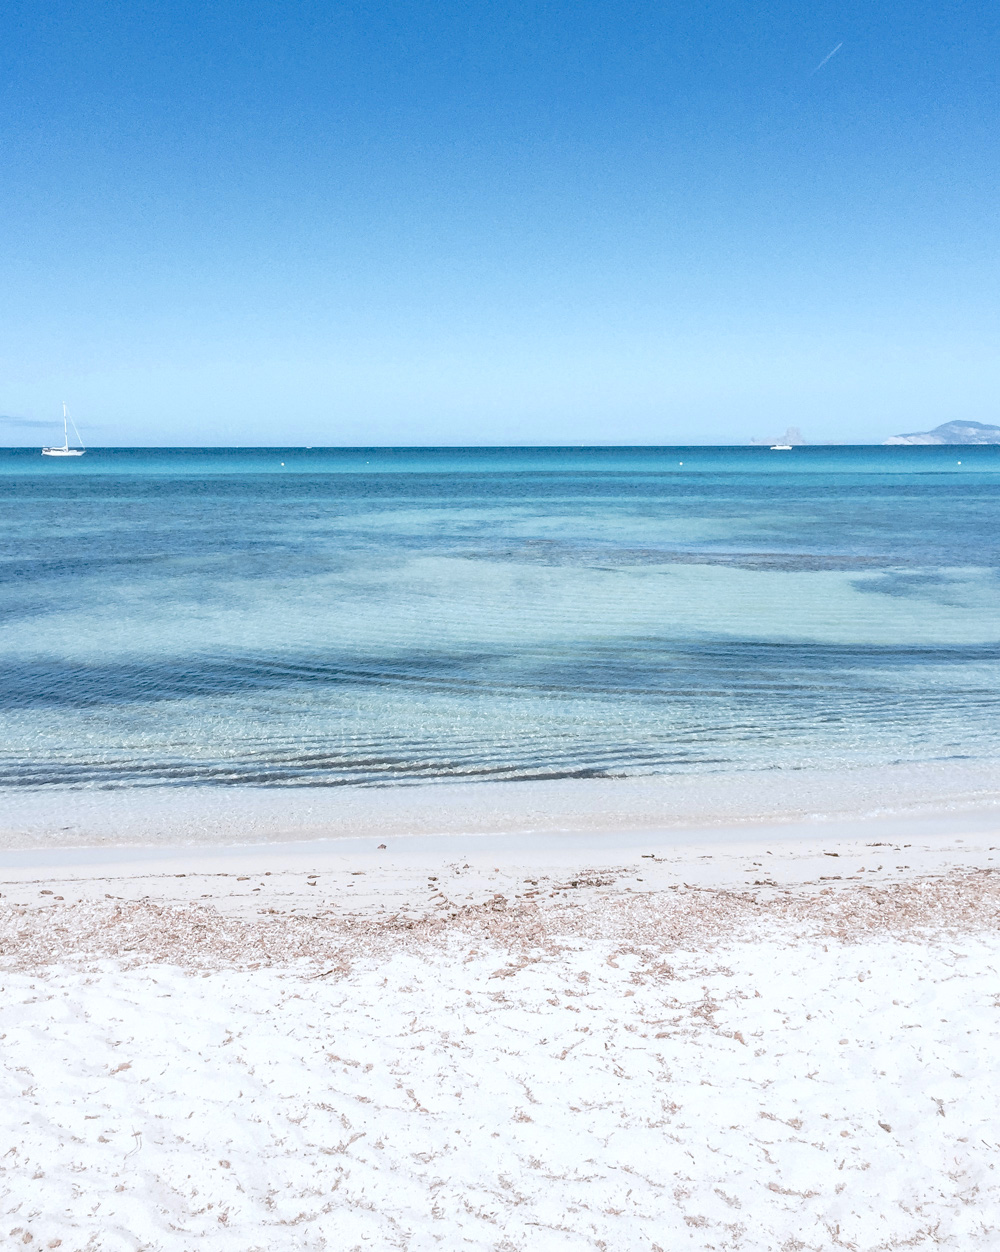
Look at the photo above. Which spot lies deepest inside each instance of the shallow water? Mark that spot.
(369, 617)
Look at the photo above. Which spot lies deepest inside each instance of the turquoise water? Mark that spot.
(396, 615)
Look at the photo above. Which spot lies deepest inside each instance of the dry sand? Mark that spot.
(772, 1038)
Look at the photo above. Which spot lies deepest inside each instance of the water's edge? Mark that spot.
(211, 817)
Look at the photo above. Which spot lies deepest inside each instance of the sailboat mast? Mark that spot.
(65, 428)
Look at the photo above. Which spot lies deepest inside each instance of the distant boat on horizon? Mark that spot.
(792, 438)
(66, 450)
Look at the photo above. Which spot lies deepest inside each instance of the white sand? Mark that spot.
(561, 1047)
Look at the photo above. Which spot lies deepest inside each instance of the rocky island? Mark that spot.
(952, 432)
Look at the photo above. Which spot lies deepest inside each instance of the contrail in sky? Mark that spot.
(828, 56)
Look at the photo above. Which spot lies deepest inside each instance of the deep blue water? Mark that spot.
(385, 615)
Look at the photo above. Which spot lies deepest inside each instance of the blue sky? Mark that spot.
(399, 223)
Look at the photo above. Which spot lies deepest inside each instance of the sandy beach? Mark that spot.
(752, 1038)
(499, 628)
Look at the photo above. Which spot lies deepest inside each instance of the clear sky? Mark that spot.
(606, 221)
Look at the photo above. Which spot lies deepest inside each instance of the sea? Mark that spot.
(324, 618)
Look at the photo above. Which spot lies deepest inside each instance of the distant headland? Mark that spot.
(953, 432)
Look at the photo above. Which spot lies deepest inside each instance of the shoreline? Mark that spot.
(422, 877)
(700, 805)
(369, 854)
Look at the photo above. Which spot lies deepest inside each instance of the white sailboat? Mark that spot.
(789, 440)
(66, 450)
